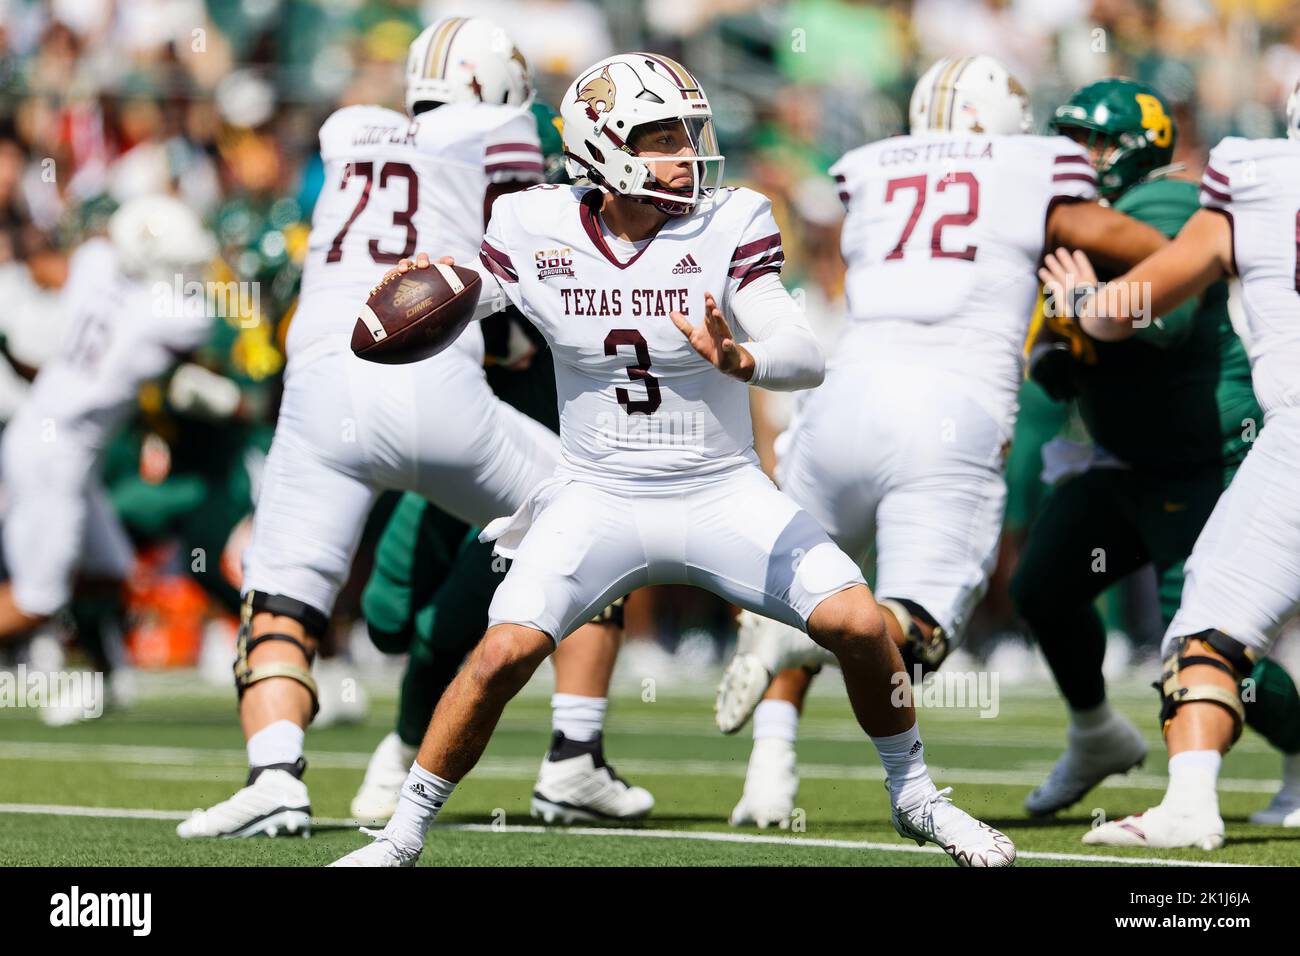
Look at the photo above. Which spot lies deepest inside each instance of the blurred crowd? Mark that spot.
(219, 101)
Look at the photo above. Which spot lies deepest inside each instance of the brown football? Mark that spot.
(416, 314)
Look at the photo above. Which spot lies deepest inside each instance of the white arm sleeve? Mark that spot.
(786, 354)
(492, 296)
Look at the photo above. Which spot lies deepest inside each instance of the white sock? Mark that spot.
(578, 718)
(423, 795)
(904, 758)
(1092, 718)
(1291, 772)
(1193, 780)
(279, 742)
(776, 718)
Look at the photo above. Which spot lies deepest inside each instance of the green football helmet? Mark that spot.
(1131, 120)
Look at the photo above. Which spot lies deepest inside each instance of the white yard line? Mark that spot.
(706, 836)
(525, 768)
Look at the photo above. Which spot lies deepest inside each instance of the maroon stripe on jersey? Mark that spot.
(514, 148)
(753, 274)
(497, 261)
(1083, 160)
(1217, 176)
(520, 167)
(757, 246)
(1215, 194)
(839, 177)
(774, 260)
(844, 197)
(1075, 177)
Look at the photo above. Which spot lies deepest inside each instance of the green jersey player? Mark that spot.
(1172, 414)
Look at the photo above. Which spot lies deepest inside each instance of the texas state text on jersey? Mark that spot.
(635, 398)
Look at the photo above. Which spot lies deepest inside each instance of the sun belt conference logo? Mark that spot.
(688, 266)
(554, 262)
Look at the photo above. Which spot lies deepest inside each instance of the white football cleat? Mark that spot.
(381, 852)
(1090, 757)
(376, 800)
(968, 841)
(771, 783)
(764, 648)
(274, 804)
(576, 785)
(1282, 811)
(1163, 828)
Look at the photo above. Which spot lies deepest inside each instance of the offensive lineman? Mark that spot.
(349, 428)
(1172, 413)
(905, 443)
(659, 481)
(1243, 576)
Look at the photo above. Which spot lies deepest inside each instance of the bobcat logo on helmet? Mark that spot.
(599, 94)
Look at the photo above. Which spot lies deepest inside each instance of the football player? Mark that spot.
(428, 597)
(347, 428)
(1243, 575)
(1172, 413)
(904, 445)
(124, 330)
(655, 265)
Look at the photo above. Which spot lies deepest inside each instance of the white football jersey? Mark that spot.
(396, 185)
(1257, 184)
(942, 239)
(636, 400)
(120, 333)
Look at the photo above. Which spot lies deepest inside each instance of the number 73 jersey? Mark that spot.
(636, 400)
(948, 230)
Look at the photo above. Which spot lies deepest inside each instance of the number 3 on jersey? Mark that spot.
(640, 372)
(919, 186)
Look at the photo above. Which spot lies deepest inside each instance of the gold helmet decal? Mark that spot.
(598, 94)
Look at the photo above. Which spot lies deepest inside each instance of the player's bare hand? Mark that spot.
(421, 261)
(712, 338)
(1070, 279)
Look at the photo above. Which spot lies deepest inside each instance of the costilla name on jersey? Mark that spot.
(1256, 184)
(635, 398)
(942, 238)
(395, 185)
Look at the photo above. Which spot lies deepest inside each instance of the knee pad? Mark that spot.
(313, 622)
(1174, 693)
(918, 650)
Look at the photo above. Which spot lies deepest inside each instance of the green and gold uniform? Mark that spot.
(1175, 404)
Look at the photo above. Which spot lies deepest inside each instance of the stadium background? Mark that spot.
(220, 102)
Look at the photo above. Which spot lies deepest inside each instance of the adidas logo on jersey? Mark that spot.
(688, 266)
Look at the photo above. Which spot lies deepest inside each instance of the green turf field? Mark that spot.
(108, 792)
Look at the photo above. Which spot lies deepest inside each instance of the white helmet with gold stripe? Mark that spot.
(969, 94)
(462, 59)
(606, 104)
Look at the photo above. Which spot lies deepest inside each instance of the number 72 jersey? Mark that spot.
(947, 230)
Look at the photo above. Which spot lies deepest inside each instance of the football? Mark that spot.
(416, 314)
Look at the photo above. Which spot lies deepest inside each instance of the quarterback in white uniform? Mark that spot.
(59, 527)
(1243, 576)
(635, 278)
(349, 429)
(904, 444)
